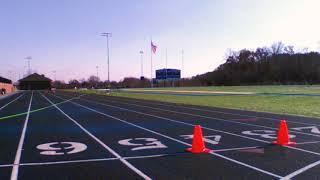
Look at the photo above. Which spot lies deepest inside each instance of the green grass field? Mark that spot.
(293, 105)
(256, 89)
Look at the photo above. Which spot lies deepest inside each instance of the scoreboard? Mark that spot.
(168, 74)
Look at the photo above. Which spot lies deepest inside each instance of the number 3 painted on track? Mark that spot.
(268, 134)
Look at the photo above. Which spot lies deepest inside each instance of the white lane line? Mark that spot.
(176, 140)
(91, 160)
(234, 149)
(125, 162)
(203, 127)
(112, 159)
(11, 102)
(221, 112)
(208, 117)
(303, 150)
(6, 165)
(244, 164)
(180, 122)
(82, 160)
(311, 142)
(15, 169)
(299, 171)
(35, 110)
(68, 162)
(148, 156)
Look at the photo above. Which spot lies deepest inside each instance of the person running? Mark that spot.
(3, 91)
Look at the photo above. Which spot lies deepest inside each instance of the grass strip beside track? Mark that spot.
(307, 89)
(291, 105)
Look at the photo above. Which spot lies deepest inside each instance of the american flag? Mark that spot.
(153, 47)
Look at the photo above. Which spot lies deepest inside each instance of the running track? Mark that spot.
(74, 136)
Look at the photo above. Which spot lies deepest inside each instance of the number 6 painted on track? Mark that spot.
(49, 149)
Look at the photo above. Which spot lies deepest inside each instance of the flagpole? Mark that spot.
(182, 61)
(151, 63)
(141, 59)
(182, 71)
(165, 81)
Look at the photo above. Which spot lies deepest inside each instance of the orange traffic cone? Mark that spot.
(283, 135)
(197, 142)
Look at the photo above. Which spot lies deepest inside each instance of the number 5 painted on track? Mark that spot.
(150, 143)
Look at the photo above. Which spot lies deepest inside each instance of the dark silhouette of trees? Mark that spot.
(278, 64)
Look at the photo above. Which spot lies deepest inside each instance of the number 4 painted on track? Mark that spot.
(216, 138)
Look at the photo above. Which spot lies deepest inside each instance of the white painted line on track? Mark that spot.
(208, 117)
(180, 122)
(15, 169)
(125, 162)
(189, 124)
(68, 162)
(112, 159)
(234, 149)
(310, 142)
(176, 140)
(299, 171)
(229, 113)
(246, 165)
(11, 101)
(6, 165)
(148, 156)
(303, 150)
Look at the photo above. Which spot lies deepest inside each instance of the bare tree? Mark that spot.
(277, 48)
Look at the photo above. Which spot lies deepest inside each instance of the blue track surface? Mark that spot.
(101, 137)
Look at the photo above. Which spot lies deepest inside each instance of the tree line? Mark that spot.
(274, 65)
(278, 64)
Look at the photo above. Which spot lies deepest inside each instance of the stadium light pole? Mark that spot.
(54, 75)
(107, 35)
(97, 67)
(10, 75)
(182, 61)
(28, 60)
(141, 59)
(165, 80)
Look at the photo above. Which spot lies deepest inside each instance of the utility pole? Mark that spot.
(182, 61)
(28, 61)
(107, 35)
(54, 75)
(165, 80)
(141, 59)
(97, 76)
(151, 65)
(10, 75)
(97, 67)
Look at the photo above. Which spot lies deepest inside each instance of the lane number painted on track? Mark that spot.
(268, 134)
(142, 143)
(61, 148)
(313, 129)
(214, 139)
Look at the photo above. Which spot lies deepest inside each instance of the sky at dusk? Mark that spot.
(64, 35)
